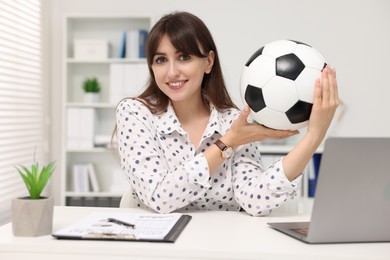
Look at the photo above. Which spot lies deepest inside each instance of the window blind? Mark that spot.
(22, 126)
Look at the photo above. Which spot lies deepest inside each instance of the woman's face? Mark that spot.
(179, 75)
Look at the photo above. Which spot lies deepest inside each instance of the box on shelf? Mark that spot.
(91, 49)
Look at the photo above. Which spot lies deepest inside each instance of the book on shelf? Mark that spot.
(313, 175)
(122, 47)
(92, 177)
(80, 128)
(80, 178)
(135, 43)
(84, 178)
(127, 80)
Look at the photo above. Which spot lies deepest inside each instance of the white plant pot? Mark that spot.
(91, 97)
(32, 218)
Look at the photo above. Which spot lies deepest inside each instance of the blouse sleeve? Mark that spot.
(142, 160)
(259, 190)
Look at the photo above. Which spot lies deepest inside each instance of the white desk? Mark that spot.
(209, 235)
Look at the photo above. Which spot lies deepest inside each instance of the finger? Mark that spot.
(245, 112)
(334, 90)
(243, 118)
(325, 84)
(317, 91)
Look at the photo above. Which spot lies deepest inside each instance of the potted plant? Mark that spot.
(91, 88)
(33, 215)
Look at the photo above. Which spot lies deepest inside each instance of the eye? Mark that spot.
(160, 60)
(184, 57)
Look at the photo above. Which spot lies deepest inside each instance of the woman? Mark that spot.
(185, 146)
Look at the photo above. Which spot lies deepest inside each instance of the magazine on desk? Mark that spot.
(126, 227)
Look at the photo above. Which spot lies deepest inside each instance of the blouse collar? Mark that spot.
(168, 122)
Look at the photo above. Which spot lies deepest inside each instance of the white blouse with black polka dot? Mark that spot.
(167, 173)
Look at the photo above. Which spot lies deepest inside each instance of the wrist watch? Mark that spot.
(226, 151)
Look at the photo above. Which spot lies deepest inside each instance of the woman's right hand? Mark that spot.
(243, 132)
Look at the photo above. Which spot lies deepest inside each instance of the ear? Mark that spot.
(210, 62)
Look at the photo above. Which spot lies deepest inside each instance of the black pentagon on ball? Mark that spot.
(299, 112)
(289, 66)
(254, 98)
(254, 56)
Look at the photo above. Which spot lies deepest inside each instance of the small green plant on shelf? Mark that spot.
(91, 85)
(36, 179)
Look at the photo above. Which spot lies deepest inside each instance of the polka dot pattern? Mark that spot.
(167, 173)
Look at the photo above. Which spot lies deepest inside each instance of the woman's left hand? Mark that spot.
(326, 101)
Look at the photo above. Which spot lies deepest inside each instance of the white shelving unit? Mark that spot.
(75, 71)
(300, 204)
(281, 149)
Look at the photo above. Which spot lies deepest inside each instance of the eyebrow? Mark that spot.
(165, 54)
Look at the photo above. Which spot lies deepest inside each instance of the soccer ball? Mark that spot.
(278, 81)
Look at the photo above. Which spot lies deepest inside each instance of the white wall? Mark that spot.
(353, 36)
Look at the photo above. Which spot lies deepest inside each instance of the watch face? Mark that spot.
(228, 152)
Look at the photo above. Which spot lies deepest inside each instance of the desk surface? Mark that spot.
(209, 235)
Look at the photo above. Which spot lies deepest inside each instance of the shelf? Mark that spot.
(91, 150)
(281, 149)
(275, 148)
(93, 105)
(93, 194)
(108, 61)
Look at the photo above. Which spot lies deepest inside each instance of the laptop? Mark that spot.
(352, 199)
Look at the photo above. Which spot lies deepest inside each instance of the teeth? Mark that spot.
(176, 84)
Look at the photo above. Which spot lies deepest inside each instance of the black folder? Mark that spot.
(170, 237)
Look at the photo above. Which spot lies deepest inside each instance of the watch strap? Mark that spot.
(221, 145)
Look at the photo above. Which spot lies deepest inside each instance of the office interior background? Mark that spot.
(352, 35)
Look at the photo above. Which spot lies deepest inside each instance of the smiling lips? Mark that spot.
(176, 85)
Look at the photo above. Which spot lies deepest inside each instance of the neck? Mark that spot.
(189, 111)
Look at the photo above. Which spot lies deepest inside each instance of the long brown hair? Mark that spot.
(190, 35)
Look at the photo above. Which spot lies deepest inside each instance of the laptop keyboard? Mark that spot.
(302, 231)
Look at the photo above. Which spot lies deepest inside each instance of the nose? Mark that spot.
(173, 70)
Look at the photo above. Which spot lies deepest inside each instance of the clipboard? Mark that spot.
(147, 227)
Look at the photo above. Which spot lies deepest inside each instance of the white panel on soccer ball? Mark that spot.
(272, 119)
(305, 84)
(279, 48)
(280, 94)
(243, 82)
(261, 70)
(310, 56)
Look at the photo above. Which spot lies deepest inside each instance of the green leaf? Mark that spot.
(27, 181)
(91, 85)
(36, 180)
(45, 176)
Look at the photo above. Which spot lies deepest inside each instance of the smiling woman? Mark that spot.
(184, 145)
